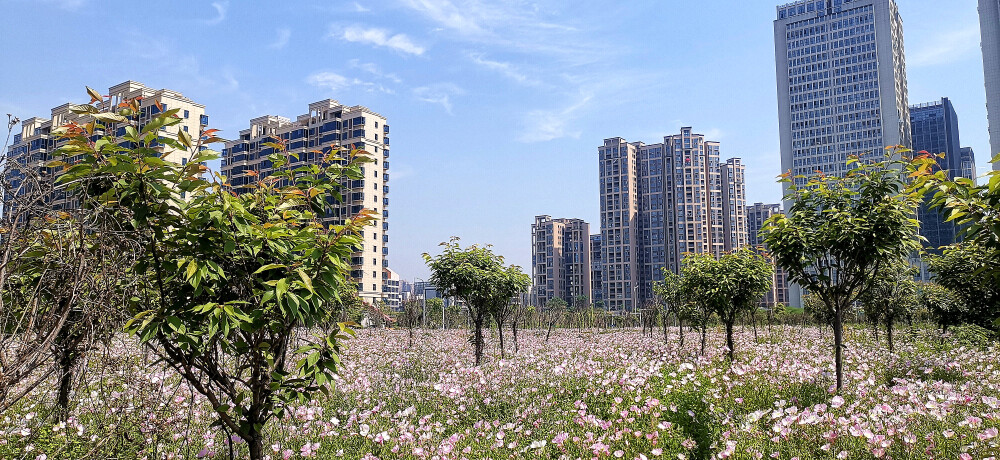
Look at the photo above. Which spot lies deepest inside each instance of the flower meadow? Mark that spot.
(581, 394)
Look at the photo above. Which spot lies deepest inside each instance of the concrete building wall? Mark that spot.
(619, 195)
(328, 128)
(561, 260)
(757, 215)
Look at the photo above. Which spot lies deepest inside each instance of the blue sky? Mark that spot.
(496, 108)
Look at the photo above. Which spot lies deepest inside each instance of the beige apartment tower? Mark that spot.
(328, 126)
(659, 202)
(560, 260)
(34, 146)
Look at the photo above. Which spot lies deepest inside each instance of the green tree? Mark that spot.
(670, 292)
(839, 231)
(479, 278)
(971, 206)
(435, 311)
(728, 286)
(228, 277)
(945, 308)
(410, 316)
(891, 296)
(555, 309)
(963, 269)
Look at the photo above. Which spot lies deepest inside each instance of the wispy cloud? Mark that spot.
(438, 93)
(945, 48)
(220, 12)
(336, 82)
(514, 26)
(504, 68)
(382, 38)
(546, 125)
(373, 69)
(360, 9)
(283, 35)
(69, 5)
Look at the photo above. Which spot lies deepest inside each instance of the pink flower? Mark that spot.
(837, 401)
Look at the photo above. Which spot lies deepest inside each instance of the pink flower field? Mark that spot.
(589, 394)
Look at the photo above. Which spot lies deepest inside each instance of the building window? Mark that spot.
(187, 114)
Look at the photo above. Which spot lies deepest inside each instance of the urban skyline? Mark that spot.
(517, 147)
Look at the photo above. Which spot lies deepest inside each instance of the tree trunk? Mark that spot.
(838, 344)
(256, 444)
(704, 332)
(411, 336)
(666, 336)
(888, 333)
(513, 329)
(680, 331)
(500, 332)
(547, 334)
(729, 340)
(477, 340)
(753, 316)
(65, 384)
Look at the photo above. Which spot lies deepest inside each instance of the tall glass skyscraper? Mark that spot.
(841, 80)
(935, 129)
(989, 27)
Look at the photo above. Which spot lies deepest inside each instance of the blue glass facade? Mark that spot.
(934, 128)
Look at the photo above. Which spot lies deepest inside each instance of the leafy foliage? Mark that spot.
(728, 286)
(479, 278)
(962, 269)
(839, 231)
(227, 278)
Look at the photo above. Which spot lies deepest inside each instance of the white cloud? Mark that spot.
(383, 38)
(330, 80)
(220, 11)
(282, 39)
(463, 20)
(374, 70)
(336, 82)
(439, 93)
(945, 48)
(69, 5)
(360, 9)
(504, 68)
(546, 125)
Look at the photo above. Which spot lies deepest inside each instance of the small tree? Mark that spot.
(555, 309)
(479, 278)
(944, 307)
(963, 269)
(410, 316)
(892, 295)
(671, 293)
(226, 278)
(728, 286)
(840, 231)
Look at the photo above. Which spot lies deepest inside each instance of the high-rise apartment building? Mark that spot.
(935, 130)
(660, 201)
(329, 126)
(841, 83)
(34, 146)
(757, 215)
(560, 259)
(841, 80)
(596, 271)
(989, 28)
(968, 163)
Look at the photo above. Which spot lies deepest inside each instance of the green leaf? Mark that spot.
(268, 267)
